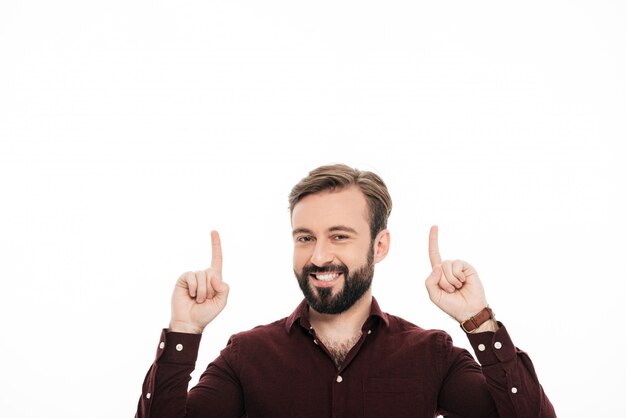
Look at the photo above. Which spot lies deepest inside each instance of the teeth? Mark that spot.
(326, 277)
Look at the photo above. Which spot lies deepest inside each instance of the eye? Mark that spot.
(340, 237)
(304, 239)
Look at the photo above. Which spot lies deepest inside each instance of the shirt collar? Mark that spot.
(301, 315)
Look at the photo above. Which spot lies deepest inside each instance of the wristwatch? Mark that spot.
(477, 320)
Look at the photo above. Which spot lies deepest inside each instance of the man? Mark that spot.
(338, 354)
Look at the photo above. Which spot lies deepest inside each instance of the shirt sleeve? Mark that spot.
(504, 385)
(165, 388)
(510, 376)
(219, 392)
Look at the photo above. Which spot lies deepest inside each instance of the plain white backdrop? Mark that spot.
(130, 129)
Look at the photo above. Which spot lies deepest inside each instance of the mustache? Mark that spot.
(313, 269)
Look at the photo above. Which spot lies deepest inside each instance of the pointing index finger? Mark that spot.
(433, 246)
(216, 252)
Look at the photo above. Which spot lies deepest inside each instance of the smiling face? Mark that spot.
(334, 255)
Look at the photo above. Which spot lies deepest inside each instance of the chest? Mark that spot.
(338, 348)
(374, 379)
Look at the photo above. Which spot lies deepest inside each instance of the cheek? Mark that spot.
(300, 258)
(355, 259)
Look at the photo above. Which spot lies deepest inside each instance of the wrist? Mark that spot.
(489, 326)
(184, 328)
(482, 321)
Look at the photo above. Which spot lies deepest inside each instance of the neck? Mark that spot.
(347, 323)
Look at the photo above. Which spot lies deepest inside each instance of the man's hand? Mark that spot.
(453, 286)
(199, 297)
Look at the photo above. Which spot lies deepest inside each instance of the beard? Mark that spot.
(355, 284)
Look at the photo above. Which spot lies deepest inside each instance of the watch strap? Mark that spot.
(477, 320)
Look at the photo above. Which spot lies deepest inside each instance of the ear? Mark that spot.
(381, 245)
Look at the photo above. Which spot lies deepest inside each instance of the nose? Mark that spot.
(322, 254)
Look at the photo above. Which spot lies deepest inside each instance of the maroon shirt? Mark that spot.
(396, 369)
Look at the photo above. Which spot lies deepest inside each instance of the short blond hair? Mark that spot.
(339, 176)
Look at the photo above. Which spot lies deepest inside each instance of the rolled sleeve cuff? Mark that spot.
(493, 347)
(178, 348)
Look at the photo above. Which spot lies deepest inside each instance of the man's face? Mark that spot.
(333, 257)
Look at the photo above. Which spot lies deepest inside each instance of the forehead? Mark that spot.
(326, 209)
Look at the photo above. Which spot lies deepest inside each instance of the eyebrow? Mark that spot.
(341, 228)
(331, 229)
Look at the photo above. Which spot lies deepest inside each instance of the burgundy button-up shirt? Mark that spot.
(396, 369)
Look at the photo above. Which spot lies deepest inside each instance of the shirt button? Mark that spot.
(513, 390)
(161, 345)
(369, 331)
(179, 347)
(148, 395)
(498, 345)
(481, 347)
(315, 341)
(339, 379)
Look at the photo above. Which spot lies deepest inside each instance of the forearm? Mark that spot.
(164, 390)
(510, 376)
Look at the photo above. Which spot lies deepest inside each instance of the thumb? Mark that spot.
(219, 286)
(432, 282)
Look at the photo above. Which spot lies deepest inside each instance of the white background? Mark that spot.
(130, 129)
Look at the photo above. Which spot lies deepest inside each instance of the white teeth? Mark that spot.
(326, 277)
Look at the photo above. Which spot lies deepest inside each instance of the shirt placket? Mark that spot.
(340, 385)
